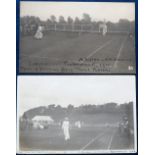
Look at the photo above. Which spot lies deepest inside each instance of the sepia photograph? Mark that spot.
(77, 37)
(76, 114)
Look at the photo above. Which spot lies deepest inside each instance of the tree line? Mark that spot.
(29, 24)
(57, 111)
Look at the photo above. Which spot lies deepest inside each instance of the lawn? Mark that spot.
(83, 139)
(77, 53)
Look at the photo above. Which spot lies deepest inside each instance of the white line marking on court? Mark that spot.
(120, 51)
(111, 139)
(104, 45)
(109, 145)
(94, 139)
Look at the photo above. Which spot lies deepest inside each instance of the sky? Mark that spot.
(34, 91)
(98, 10)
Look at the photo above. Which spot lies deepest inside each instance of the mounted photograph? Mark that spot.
(77, 37)
(76, 114)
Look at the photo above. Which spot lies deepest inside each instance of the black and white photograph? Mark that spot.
(77, 37)
(76, 114)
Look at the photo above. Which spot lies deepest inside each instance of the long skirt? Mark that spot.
(104, 32)
(38, 35)
(66, 133)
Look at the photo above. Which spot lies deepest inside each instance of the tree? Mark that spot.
(124, 24)
(48, 21)
(124, 21)
(77, 20)
(52, 106)
(132, 27)
(70, 107)
(25, 117)
(110, 107)
(62, 19)
(70, 20)
(53, 19)
(86, 18)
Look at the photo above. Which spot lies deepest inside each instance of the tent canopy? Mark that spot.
(42, 118)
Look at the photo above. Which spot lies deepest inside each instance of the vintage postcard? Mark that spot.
(76, 114)
(77, 37)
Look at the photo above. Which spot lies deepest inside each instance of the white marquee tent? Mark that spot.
(39, 118)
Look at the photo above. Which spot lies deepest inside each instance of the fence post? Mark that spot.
(81, 28)
(72, 27)
(64, 28)
(55, 27)
(91, 28)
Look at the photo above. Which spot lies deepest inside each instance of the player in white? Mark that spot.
(103, 28)
(39, 33)
(65, 128)
(78, 124)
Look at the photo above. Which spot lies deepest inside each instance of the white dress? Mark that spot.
(65, 127)
(104, 29)
(39, 34)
